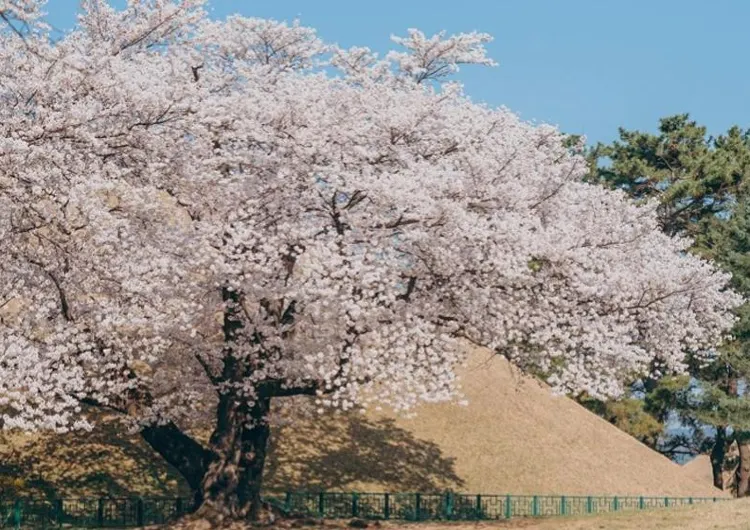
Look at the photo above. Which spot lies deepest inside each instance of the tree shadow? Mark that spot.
(340, 452)
(347, 452)
(103, 462)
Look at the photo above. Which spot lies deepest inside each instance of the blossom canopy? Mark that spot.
(191, 208)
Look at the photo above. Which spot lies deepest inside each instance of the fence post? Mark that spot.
(355, 505)
(100, 513)
(508, 507)
(478, 507)
(417, 506)
(321, 504)
(535, 506)
(58, 503)
(589, 504)
(17, 514)
(666, 502)
(616, 504)
(562, 505)
(448, 505)
(690, 500)
(641, 504)
(387, 507)
(139, 520)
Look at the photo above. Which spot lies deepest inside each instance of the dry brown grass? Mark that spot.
(513, 437)
(699, 468)
(105, 462)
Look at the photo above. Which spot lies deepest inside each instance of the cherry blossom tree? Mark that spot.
(197, 222)
(20, 15)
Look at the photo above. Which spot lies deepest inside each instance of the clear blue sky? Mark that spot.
(587, 66)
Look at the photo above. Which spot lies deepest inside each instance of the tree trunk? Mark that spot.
(227, 478)
(232, 483)
(189, 457)
(718, 454)
(743, 469)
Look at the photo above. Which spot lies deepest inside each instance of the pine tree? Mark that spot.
(702, 185)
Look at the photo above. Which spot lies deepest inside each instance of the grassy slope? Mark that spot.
(513, 437)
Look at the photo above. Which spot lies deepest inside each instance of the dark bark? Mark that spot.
(743, 469)
(721, 441)
(189, 457)
(226, 478)
(232, 483)
(718, 454)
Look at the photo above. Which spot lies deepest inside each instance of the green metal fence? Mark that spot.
(137, 512)
(90, 513)
(460, 506)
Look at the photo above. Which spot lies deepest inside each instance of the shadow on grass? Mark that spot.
(345, 452)
(104, 462)
(328, 453)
